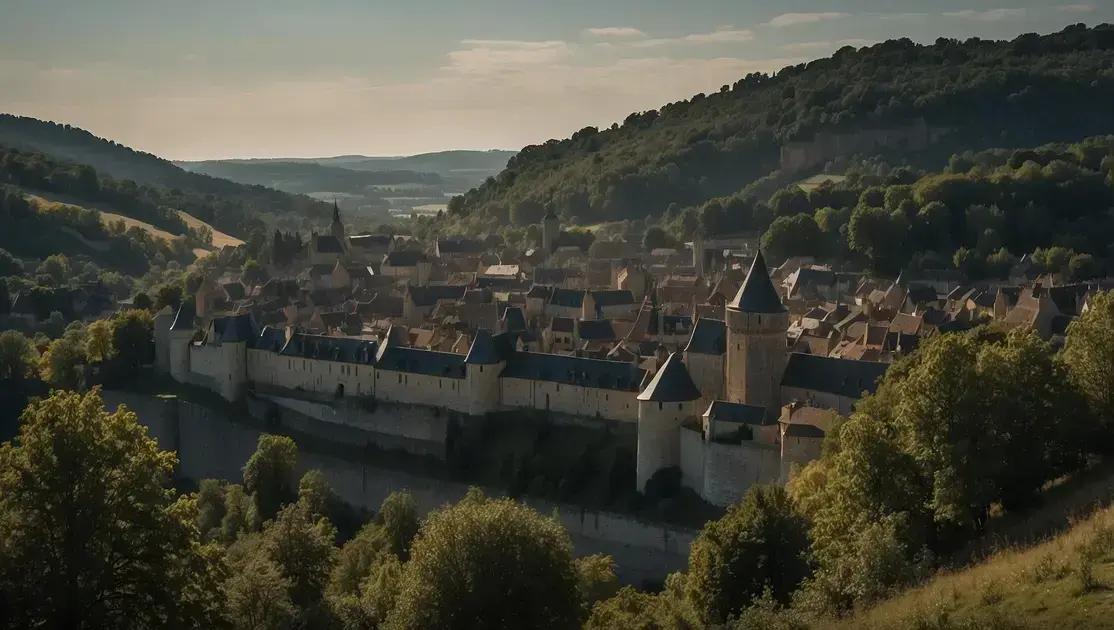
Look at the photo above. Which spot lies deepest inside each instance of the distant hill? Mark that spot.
(897, 96)
(223, 203)
(454, 170)
(308, 177)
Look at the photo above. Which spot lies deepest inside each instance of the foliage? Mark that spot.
(89, 534)
(18, 357)
(966, 422)
(690, 151)
(269, 474)
(133, 338)
(597, 579)
(258, 595)
(398, 514)
(760, 544)
(490, 563)
(1089, 357)
(301, 544)
(636, 610)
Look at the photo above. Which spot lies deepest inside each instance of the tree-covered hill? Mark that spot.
(972, 94)
(226, 205)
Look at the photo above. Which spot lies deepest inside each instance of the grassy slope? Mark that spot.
(1066, 581)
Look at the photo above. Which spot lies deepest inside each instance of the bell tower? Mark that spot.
(757, 322)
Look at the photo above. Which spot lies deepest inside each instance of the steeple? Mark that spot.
(757, 295)
(337, 228)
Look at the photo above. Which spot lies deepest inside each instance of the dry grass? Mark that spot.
(220, 239)
(1066, 582)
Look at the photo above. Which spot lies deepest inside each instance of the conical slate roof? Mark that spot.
(183, 320)
(483, 350)
(757, 295)
(672, 383)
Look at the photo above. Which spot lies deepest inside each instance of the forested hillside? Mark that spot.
(226, 205)
(972, 94)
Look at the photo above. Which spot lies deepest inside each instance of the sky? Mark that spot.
(203, 79)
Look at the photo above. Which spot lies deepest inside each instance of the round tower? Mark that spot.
(484, 362)
(669, 399)
(757, 322)
(551, 227)
(179, 337)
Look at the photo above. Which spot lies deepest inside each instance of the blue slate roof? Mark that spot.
(672, 383)
(415, 361)
(557, 368)
(739, 413)
(328, 244)
(543, 291)
(708, 337)
(757, 295)
(184, 318)
(596, 330)
(842, 377)
(488, 349)
(614, 297)
(234, 328)
(514, 318)
(404, 258)
(342, 349)
(270, 338)
(428, 296)
(572, 298)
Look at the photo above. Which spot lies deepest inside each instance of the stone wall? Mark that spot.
(411, 428)
(731, 469)
(212, 446)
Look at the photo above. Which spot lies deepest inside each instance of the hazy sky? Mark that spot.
(193, 79)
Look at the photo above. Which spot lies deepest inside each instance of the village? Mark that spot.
(715, 364)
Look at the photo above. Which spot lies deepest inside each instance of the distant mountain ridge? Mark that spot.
(73, 144)
(455, 170)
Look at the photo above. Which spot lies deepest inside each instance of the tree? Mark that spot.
(269, 474)
(98, 341)
(631, 608)
(793, 236)
(57, 268)
(399, 516)
(133, 339)
(61, 364)
(9, 265)
(253, 273)
(761, 543)
(142, 301)
(18, 356)
(210, 507)
(301, 544)
(597, 580)
(92, 536)
(258, 596)
(1089, 358)
(655, 238)
(315, 492)
(490, 563)
(168, 295)
(877, 234)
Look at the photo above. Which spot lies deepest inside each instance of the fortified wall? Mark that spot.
(210, 445)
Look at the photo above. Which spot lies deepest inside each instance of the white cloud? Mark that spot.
(990, 15)
(485, 56)
(1076, 8)
(722, 35)
(793, 19)
(617, 32)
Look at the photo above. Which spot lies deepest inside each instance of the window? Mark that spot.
(400, 378)
(659, 406)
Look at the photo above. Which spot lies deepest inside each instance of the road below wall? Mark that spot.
(212, 446)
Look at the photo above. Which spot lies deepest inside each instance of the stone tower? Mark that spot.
(667, 401)
(551, 227)
(484, 362)
(336, 228)
(756, 348)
